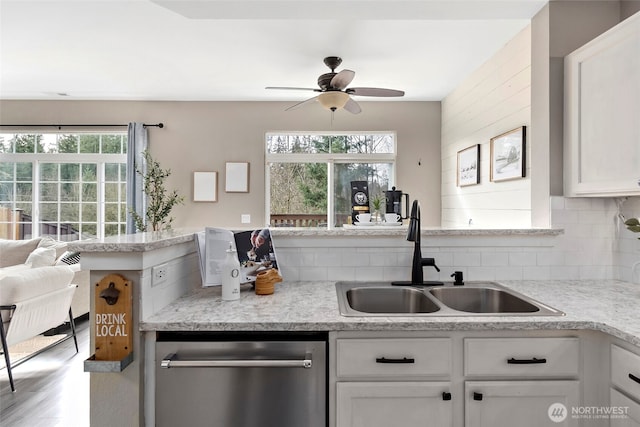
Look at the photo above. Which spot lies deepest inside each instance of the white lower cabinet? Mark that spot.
(627, 411)
(462, 379)
(625, 390)
(521, 403)
(386, 404)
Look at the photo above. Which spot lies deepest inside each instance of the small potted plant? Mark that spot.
(377, 205)
(159, 201)
(633, 224)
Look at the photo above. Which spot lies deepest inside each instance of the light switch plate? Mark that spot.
(245, 219)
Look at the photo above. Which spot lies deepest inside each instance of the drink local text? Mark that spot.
(111, 325)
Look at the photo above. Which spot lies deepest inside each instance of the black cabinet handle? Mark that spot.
(477, 396)
(403, 360)
(532, 361)
(446, 395)
(634, 378)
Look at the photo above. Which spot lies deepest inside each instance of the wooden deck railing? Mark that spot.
(298, 220)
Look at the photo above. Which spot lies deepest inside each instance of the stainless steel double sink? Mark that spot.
(471, 299)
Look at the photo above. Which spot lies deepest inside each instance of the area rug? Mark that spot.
(26, 348)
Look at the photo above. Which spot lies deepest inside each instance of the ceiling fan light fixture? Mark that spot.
(333, 100)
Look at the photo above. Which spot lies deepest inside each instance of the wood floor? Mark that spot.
(52, 389)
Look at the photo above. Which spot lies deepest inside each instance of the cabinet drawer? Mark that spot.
(522, 356)
(625, 370)
(627, 411)
(393, 357)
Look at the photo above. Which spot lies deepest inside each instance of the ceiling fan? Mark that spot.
(335, 94)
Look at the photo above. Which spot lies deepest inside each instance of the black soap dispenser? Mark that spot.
(458, 280)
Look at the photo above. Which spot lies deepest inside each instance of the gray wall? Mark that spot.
(202, 136)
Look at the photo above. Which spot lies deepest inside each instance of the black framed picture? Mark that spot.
(508, 155)
(468, 166)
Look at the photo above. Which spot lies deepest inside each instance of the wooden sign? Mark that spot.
(113, 318)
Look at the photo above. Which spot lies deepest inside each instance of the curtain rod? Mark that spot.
(158, 125)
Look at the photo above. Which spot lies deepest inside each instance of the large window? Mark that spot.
(308, 176)
(68, 186)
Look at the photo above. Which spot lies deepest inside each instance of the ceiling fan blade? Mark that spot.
(301, 103)
(374, 91)
(342, 79)
(292, 88)
(352, 106)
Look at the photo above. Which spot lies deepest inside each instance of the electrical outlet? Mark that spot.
(245, 219)
(158, 274)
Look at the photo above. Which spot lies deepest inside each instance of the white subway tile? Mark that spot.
(313, 273)
(356, 259)
(481, 273)
(509, 273)
(370, 273)
(522, 259)
(341, 273)
(328, 258)
(557, 203)
(536, 273)
(564, 272)
(467, 259)
(495, 259)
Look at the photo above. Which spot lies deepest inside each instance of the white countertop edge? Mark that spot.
(148, 241)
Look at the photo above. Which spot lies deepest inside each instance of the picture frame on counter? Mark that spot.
(236, 177)
(508, 155)
(468, 166)
(205, 186)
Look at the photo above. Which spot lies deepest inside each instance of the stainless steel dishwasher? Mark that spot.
(244, 380)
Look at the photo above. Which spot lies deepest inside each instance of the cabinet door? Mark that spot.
(602, 106)
(406, 404)
(627, 410)
(521, 403)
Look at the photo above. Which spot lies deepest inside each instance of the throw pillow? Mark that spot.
(50, 242)
(42, 257)
(14, 252)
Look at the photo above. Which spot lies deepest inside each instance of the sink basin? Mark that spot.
(390, 300)
(366, 299)
(482, 300)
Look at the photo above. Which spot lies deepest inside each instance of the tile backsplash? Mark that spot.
(595, 245)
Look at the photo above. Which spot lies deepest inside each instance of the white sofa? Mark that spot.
(44, 252)
(39, 291)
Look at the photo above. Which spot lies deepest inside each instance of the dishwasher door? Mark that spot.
(244, 383)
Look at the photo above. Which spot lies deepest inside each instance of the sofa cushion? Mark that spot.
(14, 252)
(5, 271)
(41, 257)
(50, 242)
(25, 284)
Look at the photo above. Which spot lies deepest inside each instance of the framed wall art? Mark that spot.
(508, 155)
(468, 171)
(237, 177)
(205, 186)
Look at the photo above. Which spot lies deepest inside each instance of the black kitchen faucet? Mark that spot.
(413, 235)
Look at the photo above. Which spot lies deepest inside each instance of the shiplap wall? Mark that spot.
(494, 99)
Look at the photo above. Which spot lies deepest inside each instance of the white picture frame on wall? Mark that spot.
(236, 177)
(205, 186)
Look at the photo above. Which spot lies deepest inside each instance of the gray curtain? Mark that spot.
(137, 143)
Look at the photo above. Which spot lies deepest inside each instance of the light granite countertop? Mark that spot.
(608, 306)
(143, 242)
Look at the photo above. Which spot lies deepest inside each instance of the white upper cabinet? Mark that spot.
(602, 114)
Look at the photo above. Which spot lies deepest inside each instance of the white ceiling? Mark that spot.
(231, 50)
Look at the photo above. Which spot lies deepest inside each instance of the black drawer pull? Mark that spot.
(532, 361)
(477, 396)
(403, 360)
(634, 378)
(446, 395)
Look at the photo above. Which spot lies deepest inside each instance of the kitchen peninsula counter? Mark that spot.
(608, 306)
